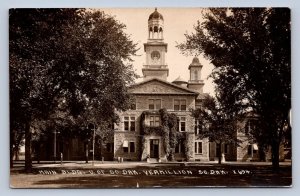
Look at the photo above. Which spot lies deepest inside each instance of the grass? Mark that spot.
(152, 175)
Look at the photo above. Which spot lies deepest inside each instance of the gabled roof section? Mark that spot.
(158, 86)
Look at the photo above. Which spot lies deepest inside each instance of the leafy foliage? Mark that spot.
(67, 62)
(214, 123)
(250, 49)
(168, 130)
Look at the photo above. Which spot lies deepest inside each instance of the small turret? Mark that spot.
(195, 82)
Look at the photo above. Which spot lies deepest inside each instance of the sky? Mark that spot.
(177, 22)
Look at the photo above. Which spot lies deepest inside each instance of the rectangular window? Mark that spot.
(126, 123)
(176, 104)
(154, 104)
(131, 147)
(129, 123)
(151, 104)
(198, 147)
(183, 105)
(151, 121)
(154, 121)
(180, 104)
(182, 124)
(132, 123)
(157, 103)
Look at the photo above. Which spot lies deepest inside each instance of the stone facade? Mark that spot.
(166, 94)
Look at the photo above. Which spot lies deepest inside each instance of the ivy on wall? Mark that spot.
(168, 130)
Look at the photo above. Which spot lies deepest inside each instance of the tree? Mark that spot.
(214, 123)
(71, 61)
(32, 38)
(250, 49)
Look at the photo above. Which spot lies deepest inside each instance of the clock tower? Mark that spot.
(155, 49)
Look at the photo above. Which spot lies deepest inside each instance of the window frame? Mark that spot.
(156, 121)
(134, 147)
(182, 102)
(129, 121)
(180, 123)
(154, 103)
(197, 147)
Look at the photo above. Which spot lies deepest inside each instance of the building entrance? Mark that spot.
(154, 148)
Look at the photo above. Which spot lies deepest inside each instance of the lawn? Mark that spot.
(151, 175)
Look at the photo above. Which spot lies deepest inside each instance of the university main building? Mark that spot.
(140, 135)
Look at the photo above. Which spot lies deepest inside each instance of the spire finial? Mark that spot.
(155, 8)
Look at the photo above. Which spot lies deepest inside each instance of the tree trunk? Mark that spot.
(16, 154)
(86, 153)
(11, 156)
(11, 147)
(28, 161)
(219, 155)
(275, 156)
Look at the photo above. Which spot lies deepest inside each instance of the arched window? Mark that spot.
(155, 29)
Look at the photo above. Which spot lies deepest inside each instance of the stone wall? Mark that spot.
(204, 156)
(167, 102)
(119, 139)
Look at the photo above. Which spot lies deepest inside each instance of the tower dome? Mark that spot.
(155, 15)
(195, 60)
(155, 26)
(195, 63)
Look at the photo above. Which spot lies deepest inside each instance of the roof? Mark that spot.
(155, 15)
(195, 63)
(176, 88)
(179, 80)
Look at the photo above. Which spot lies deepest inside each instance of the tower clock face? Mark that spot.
(155, 55)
